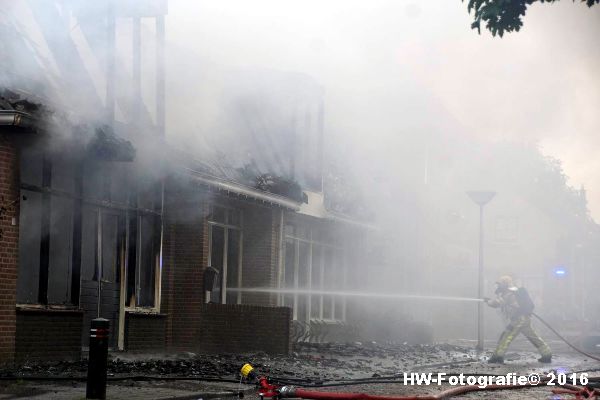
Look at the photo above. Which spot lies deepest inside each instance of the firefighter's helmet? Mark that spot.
(505, 282)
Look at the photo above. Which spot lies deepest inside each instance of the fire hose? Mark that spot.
(269, 390)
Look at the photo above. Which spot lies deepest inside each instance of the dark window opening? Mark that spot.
(60, 257)
(79, 225)
(110, 247)
(147, 262)
(89, 243)
(29, 245)
(131, 261)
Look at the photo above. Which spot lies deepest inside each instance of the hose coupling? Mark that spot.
(247, 372)
(287, 391)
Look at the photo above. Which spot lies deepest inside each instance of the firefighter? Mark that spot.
(516, 307)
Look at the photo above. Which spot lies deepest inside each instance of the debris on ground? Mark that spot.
(328, 361)
(309, 363)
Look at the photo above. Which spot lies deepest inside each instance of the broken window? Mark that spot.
(30, 228)
(132, 256)
(89, 243)
(110, 247)
(29, 247)
(225, 252)
(312, 267)
(60, 257)
(81, 223)
(143, 264)
(148, 250)
(46, 229)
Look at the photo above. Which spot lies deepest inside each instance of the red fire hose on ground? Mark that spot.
(579, 393)
(307, 394)
(270, 390)
(273, 391)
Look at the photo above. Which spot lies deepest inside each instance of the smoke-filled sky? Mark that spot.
(401, 79)
(395, 68)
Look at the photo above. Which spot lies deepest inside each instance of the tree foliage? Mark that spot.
(505, 15)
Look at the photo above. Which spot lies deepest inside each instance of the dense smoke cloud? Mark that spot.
(394, 71)
(418, 109)
(391, 71)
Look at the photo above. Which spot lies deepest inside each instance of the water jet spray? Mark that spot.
(353, 294)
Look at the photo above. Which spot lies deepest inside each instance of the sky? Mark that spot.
(399, 67)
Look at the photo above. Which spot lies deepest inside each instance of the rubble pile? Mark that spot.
(312, 361)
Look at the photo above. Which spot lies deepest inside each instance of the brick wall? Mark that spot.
(233, 328)
(185, 257)
(185, 251)
(9, 245)
(47, 335)
(144, 332)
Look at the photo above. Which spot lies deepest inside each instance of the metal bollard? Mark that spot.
(96, 376)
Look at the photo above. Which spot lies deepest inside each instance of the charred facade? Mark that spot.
(102, 217)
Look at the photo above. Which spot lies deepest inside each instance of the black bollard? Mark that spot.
(96, 377)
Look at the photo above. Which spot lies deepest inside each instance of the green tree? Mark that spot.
(504, 15)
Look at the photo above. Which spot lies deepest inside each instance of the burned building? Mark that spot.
(102, 234)
(103, 217)
(89, 231)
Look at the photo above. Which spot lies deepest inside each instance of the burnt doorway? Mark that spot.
(102, 268)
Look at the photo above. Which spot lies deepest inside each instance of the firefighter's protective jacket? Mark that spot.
(508, 303)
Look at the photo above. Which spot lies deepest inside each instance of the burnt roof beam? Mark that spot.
(57, 36)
